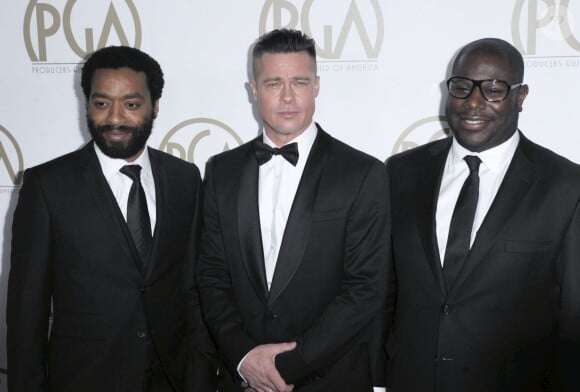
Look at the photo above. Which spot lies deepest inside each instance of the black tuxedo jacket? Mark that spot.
(71, 246)
(328, 289)
(511, 319)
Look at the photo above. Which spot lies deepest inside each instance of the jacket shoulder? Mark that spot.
(172, 162)
(60, 165)
(231, 158)
(420, 153)
(547, 161)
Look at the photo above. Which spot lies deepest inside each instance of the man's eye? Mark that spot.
(133, 105)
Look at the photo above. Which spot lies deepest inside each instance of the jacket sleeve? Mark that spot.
(200, 373)
(215, 286)
(29, 290)
(567, 373)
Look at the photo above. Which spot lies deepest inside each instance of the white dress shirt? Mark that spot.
(494, 165)
(121, 184)
(277, 185)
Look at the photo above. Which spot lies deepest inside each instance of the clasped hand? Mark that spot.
(259, 368)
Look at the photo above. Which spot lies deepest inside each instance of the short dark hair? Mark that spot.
(116, 57)
(496, 47)
(283, 41)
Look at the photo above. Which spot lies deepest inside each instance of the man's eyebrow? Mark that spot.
(294, 78)
(133, 96)
(272, 79)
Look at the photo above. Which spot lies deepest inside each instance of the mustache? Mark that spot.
(110, 128)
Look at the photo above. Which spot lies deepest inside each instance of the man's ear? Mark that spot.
(522, 94)
(254, 89)
(155, 109)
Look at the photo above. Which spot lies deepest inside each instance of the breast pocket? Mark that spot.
(328, 215)
(528, 246)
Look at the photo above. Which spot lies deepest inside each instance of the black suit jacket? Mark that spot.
(511, 319)
(328, 288)
(71, 246)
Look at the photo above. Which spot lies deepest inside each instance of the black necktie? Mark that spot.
(137, 214)
(462, 222)
(264, 152)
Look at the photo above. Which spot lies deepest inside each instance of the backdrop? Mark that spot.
(382, 65)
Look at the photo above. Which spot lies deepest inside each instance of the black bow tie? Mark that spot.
(264, 152)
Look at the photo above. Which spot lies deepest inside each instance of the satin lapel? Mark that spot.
(160, 179)
(249, 226)
(105, 203)
(516, 184)
(300, 218)
(427, 193)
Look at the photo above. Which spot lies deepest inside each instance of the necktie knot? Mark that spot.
(473, 162)
(132, 171)
(264, 152)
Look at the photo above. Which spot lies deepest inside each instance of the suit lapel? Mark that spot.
(516, 184)
(160, 180)
(427, 192)
(300, 218)
(249, 225)
(105, 202)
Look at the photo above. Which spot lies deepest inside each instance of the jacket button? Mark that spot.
(141, 334)
(270, 316)
(445, 310)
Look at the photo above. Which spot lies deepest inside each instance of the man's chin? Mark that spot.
(115, 150)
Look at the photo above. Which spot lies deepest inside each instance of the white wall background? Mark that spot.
(382, 64)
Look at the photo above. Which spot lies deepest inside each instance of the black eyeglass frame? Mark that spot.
(477, 83)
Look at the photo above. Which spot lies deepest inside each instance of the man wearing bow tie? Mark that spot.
(292, 266)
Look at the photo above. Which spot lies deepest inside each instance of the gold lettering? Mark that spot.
(277, 6)
(193, 144)
(41, 29)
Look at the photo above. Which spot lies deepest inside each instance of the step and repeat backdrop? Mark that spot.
(382, 65)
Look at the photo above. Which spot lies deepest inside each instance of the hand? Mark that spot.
(259, 368)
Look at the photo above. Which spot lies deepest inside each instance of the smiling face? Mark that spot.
(477, 124)
(285, 88)
(120, 112)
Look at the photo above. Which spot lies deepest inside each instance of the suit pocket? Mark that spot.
(528, 246)
(78, 325)
(325, 215)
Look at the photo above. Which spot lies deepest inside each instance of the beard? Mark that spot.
(122, 150)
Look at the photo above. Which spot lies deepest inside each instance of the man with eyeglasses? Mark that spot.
(484, 287)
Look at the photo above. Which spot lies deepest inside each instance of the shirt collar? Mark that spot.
(494, 159)
(305, 140)
(111, 166)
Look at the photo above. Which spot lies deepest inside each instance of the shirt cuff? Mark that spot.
(240, 364)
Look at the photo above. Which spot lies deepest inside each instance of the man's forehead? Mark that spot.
(492, 61)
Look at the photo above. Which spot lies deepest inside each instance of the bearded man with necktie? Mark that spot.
(108, 236)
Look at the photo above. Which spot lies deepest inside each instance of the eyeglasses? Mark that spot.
(491, 89)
